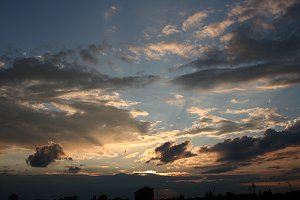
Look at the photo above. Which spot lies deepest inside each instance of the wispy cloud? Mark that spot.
(131, 155)
(239, 101)
(194, 20)
(251, 57)
(170, 30)
(251, 8)
(200, 111)
(110, 12)
(213, 30)
(257, 120)
(177, 99)
(157, 51)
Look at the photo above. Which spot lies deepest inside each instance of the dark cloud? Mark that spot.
(216, 128)
(103, 47)
(125, 56)
(237, 151)
(252, 54)
(47, 154)
(274, 167)
(6, 170)
(87, 56)
(217, 169)
(91, 52)
(53, 74)
(35, 107)
(170, 152)
(98, 123)
(73, 169)
(284, 73)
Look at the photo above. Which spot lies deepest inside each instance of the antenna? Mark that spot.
(290, 187)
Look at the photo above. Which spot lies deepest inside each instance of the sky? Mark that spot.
(182, 96)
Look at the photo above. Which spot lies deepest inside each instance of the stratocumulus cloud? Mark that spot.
(252, 56)
(54, 95)
(170, 152)
(251, 147)
(46, 155)
(73, 169)
(257, 120)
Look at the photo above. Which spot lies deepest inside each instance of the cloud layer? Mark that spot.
(253, 54)
(56, 97)
(257, 120)
(240, 151)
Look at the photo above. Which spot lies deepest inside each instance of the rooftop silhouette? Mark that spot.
(147, 193)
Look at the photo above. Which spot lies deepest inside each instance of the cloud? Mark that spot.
(92, 124)
(110, 12)
(240, 151)
(91, 52)
(239, 101)
(251, 56)
(257, 119)
(270, 75)
(157, 51)
(130, 57)
(200, 111)
(176, 99)
(51, 74)
(194, 20)
(170, 30)
(1, 64)
(113, 29)
(131, 155)
(73, 169)
(65, 101)
(170, 152)
(217, 169)
(47, 154)
(138, 112)
(253, 8)
(213, 30)
(87, 56)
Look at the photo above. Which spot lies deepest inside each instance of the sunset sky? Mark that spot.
(183, 96)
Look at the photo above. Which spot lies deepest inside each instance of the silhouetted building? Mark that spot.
(13, 196)
(145, 193)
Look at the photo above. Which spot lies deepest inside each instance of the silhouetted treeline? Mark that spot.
(266, 195)
(104, 197)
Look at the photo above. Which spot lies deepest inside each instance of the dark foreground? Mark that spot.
(266, 195)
